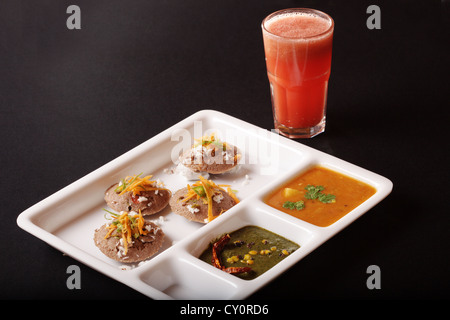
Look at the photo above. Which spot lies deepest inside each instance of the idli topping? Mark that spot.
(137, 185)
(134, 193)
(209, 154)
(127, 227)
(209, 193)
(128, 238)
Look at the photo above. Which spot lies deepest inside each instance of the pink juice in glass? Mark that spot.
(298, 45)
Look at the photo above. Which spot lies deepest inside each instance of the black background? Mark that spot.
(72, 100)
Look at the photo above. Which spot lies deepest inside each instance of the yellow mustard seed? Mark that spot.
(250, 261)
(285, 252)
(273, 248)
(253, 252)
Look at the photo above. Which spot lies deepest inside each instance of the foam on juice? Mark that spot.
(294, 25)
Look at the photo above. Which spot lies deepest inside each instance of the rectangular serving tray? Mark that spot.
(67, 219)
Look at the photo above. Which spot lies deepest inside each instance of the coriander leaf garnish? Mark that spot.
(315, 192)
(299, 205)
(327, 198)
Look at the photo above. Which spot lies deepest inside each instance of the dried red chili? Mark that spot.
(217, 249)
(236, 270)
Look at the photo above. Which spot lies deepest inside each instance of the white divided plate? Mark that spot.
(67, 219)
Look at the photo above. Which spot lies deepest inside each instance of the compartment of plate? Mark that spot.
(179, 278)
(382, 188)
(182, 275)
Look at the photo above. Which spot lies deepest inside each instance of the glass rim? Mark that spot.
(318, 13)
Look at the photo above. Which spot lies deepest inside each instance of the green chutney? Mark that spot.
(252, 247)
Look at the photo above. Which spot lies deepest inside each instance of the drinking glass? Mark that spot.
(297, 45)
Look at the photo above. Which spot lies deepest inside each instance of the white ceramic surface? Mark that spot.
(67, 219)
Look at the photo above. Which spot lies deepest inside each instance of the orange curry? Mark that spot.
(320, 196)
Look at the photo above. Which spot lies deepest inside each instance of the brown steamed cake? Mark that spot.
(211, 158)
(149, 202)
(141, 248)
(196, 210)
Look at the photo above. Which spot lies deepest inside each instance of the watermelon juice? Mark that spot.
(297, 45)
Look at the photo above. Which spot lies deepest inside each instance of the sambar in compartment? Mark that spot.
(342, 192)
